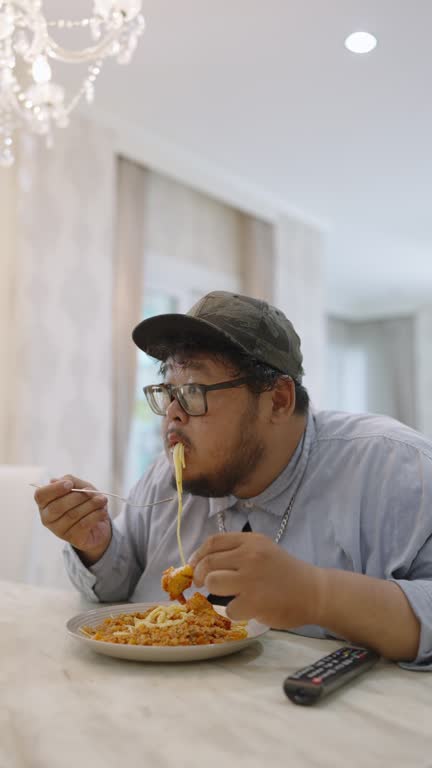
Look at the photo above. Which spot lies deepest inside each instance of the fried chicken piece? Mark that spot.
(203, 609)
(176, 580)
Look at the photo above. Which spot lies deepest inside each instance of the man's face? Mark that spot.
(223, 447)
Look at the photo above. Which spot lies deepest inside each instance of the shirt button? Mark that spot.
(248, 504)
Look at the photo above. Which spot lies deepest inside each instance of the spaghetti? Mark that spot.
(179, 465)
(176, 580)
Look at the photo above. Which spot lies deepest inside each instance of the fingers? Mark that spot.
(86, 524)
(219, 561)
(239, 609)
(221, 542)
(81, 519)
(223, 583)
(82, 515)
(58, 488)
(72, 507)
(75, 517)
(48, 493)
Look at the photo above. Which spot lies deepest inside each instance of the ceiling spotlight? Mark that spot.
(361, 42)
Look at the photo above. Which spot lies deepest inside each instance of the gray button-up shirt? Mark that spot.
(363, 503)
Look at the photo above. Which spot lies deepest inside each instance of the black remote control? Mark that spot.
(311, 683)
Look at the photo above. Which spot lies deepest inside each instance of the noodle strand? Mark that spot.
(179, 465)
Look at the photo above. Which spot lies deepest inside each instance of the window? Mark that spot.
(145, 441)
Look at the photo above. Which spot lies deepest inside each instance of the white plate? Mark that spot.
(155, 652)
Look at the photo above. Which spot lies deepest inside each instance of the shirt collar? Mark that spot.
(275, 498)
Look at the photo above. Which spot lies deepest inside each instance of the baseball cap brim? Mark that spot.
(158, 334)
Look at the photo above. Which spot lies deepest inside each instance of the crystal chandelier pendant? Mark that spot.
(29, 97)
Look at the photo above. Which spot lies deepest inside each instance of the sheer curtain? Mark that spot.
(299, 292)
(8, 330)
(187, 243)
(127, 303)
(257, 258)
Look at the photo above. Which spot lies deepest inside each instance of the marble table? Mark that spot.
(63, 706)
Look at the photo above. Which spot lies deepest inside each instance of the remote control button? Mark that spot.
(316, 673)
(317, 680)
(329, 673)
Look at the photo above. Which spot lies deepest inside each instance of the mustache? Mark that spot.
(170, 432)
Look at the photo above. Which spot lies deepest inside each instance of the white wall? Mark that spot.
(372, 367)
(423, 368)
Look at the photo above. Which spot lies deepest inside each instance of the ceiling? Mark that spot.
(266, 92)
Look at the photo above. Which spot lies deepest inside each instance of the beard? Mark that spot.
(239, 464)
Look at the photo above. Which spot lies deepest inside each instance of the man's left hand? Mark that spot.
(268, 584)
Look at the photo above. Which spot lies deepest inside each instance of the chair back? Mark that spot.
(30, 553)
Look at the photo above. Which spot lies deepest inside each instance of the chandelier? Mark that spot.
(29, 97)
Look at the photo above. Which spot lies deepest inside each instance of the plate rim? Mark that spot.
(134, 607)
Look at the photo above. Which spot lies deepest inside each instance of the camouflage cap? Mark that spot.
(253, 326)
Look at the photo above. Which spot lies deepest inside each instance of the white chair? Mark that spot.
(30, 553)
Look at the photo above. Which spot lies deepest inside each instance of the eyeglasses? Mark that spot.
(191, 397)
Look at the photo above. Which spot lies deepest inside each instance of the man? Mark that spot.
(320, 522)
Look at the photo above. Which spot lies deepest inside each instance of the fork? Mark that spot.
(113, 495)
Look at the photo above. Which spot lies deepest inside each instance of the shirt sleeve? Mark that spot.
(114, 577)
(399, 542)
(418, 591)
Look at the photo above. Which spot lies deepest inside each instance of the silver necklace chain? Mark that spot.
(286, 517)
(283, 525)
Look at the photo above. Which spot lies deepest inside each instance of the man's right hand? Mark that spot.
(81, 519)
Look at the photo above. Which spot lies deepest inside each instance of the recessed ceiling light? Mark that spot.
(361, 42)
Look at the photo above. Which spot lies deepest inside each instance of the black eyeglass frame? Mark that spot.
(175, 392)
